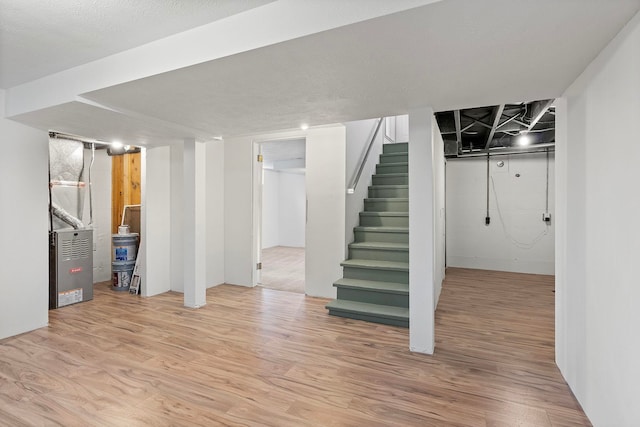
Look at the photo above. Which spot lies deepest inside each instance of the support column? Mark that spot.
(194, 226)
(177, 220)
(421, 232)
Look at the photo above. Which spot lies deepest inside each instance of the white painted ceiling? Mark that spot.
(38, 37)
(448, 55)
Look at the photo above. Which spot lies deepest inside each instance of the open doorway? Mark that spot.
(283, 215)
(500, 187)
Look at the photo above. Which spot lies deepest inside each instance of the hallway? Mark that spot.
(283, 269)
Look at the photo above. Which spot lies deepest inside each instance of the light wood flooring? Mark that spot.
(255, 356)
(283, 269)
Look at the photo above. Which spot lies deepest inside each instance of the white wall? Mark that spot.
(439, 212)
(156, 221)
(397, 128)
(421, 231)
(24, 268)
(283, 209)
(517, 240)
(292, 209)
(238, 211)
(597, 292)
(215, 213)
(101, 190)
(270, 209)
(358, 135)
(325, 216)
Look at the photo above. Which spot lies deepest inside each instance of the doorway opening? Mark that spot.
(282, 214)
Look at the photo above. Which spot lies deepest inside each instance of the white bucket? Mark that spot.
(122, 274)
(125, 247)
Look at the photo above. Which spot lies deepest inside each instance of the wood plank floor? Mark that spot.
(263, 357)
(283, 269)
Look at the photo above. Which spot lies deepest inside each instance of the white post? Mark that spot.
(194, 228)
(421, 232)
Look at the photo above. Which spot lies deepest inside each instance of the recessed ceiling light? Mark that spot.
(304, 126)
(116, 144)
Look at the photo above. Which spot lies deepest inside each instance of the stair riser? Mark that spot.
(373, 297)
(402, 147)
(376, 236)
(389, 192)
(379, 254)
(390, 180)
(384, 221)
(383, 169)
(394, 158)
(386, 205)
(376, 274)
(367, 318)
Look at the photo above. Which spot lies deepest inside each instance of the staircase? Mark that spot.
(375, 283)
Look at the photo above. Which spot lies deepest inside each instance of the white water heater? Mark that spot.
(71, 267)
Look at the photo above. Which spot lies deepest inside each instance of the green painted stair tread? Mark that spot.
(374, 264)
(382, 229)
(380, 245)
(383, 213)
(394, 164)
(372, 310)
(398, 147)
(393, 158)
(386, 199)
(387, 287)
(388, 186)
(389, 175)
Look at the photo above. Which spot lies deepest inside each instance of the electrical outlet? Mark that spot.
(546, 217)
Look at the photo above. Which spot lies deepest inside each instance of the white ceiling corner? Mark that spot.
(38, 38)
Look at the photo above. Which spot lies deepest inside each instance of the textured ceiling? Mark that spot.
(38, 37)
(454, 53)
(449, 55)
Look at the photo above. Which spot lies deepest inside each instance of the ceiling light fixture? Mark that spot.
(304, 126)
(524, 139)
(116, 144)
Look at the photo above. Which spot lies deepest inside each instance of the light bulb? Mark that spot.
(524, 139)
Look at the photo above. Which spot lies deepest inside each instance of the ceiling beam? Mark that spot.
(456, 118)
(538, 108)
(497, 114)
(508, 120)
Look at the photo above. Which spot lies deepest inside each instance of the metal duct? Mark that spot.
(65, 216)
(66, 169)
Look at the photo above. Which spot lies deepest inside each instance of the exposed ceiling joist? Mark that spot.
(456, 119)
(508, 120)
(537, 111)
(477, 121)
(497, 114)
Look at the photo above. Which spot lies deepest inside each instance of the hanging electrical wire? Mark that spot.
(514, 241)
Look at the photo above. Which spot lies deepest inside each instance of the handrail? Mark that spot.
(354, 184)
